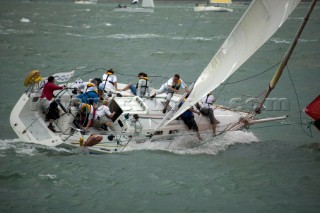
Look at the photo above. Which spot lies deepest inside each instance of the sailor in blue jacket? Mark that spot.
(90, 96)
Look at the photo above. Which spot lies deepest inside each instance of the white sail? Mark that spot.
(147, 3)
(261, 20)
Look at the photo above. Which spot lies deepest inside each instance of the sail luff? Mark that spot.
(261, 20)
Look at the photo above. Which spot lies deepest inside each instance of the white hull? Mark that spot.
(28, 121)
(201, 8)
(27, 118)
(135, 10)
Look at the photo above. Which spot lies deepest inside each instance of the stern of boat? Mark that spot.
(27, 121)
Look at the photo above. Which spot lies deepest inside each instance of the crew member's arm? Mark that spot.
(172, 89)
(194, 111)
(115, 84)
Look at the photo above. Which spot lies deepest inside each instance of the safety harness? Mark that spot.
(106, 80)
(143, 86)
(176, 86)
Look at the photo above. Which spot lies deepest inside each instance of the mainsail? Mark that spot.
(261, 20)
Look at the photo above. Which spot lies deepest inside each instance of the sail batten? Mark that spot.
(261, 20)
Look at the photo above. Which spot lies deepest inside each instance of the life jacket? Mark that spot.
(176, 86)
(106, 80)
(207, 102)
(92, 97)
(144, 86)
(89, 97)
(85, 111)
(89, 85)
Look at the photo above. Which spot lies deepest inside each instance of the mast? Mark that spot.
(286, 58)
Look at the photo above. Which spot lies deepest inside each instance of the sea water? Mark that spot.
(271, 167)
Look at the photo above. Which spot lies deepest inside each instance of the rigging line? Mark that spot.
(71, 134)
(24, 131)
(227, 83)
(252, 76)
(299, 106)
(182, 41)
(88, 72)
(117, 73)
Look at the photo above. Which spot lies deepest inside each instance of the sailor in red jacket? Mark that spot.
(49, 105)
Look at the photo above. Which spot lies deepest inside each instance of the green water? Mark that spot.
(269, 168)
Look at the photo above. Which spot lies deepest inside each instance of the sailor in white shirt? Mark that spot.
(171, 86)
(109, 81)
(207, 110)
(103, 116)
(141, 89)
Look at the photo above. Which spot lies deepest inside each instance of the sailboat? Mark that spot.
(147, 6)
(214, 5)
(141, 119)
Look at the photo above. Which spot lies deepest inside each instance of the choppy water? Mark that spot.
(268, 168)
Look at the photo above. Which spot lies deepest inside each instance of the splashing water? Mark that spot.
(191, 145)
(29, 149)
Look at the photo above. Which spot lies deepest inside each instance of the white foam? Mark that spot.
(27, 149)
(86, 10)
(283, 41)
(278, 41)
(184, 144)
(47, 176)
(191, 145)
(6, 143)
(132, 36)
(60, 25)
(77, 35)
(86, 26)
(25, 20)
(191, 38)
